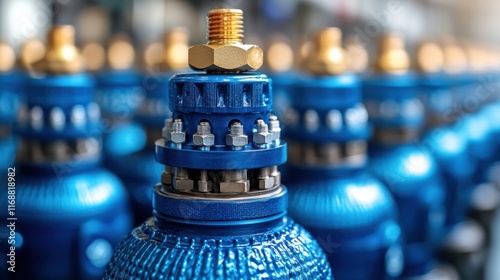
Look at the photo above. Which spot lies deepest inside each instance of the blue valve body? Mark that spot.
(118, 93)
(70, 212)
(409, 171)
(222, 235)
(350, 213)
(448, 147)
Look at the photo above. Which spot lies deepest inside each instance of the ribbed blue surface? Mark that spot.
(59, 218)
(283, 250)
(411, 174)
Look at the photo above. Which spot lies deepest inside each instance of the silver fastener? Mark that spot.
(203, 138)
(236, 138)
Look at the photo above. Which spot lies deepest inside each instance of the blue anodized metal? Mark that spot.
(140, 171)
(118, 93)
(218, 234)
(349, 212)
(408, 169)
(447, 146)
(70, 212)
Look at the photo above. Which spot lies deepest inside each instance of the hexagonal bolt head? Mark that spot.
(266, 183)
(236, 140)
(184, 184)
(234, 187)
(176, 137)
(166, 178)
(203, 140)
(236, 57)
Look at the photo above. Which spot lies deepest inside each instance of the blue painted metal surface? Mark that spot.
(118, 93)
(70, 211)
(409, 171)
(349, 212)
(217, 235)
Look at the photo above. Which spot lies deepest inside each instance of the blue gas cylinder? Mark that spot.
(449, 148)
(118, 93)
(68, 212)
(350, 213)
(407, 168)
(220, 208)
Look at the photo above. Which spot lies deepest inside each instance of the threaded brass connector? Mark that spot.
(7, 57)
(175, 50)
(225, 51)
(429, 58)
(62, 57)
(392, 56)
(327, 57)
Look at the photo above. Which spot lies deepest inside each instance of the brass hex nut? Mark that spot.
(236, 57)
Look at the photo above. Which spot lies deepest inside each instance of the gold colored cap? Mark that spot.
(120, 53)
(455, 60)
(31, 51)
(327, 57)
(429, 58)
(94, 55)
(357, 54)
(175, 50)
(279, 55)
(62, 57)
(7, 57)
(392, 56)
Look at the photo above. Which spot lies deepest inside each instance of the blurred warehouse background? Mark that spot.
(146, 20)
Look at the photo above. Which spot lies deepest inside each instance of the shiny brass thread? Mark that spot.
(225, 51)
(225, 27)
